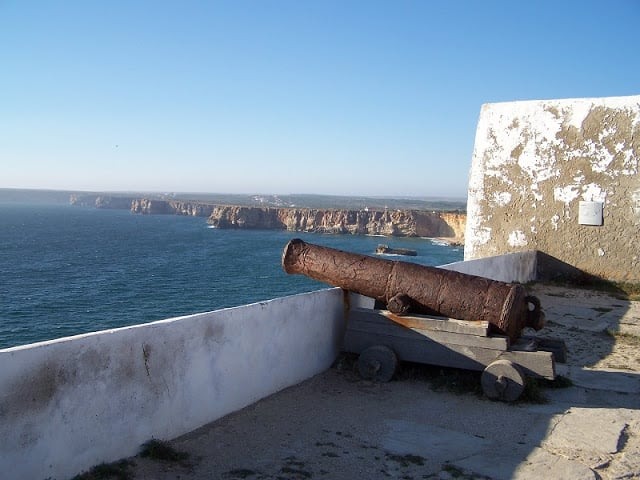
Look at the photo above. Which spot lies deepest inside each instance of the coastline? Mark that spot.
(444, 226)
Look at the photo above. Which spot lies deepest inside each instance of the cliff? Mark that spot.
(390, 223)
(396, 223)
(174, 207)
(457, 221)
(100, 201)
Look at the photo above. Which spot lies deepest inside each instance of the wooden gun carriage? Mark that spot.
(433, 316)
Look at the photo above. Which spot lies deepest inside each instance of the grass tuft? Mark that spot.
(296, 471)
(532, 392)
(455, 472)
(159, 450)
(559, 382)
(240, 473)
(108, 471)
(627, 338)
(453, 380)
(406, 460)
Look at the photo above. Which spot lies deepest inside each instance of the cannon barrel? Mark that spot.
(409, 287)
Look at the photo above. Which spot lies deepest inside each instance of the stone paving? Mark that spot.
(337, 426)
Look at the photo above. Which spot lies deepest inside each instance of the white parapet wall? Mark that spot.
(518, 267)
(69, 404)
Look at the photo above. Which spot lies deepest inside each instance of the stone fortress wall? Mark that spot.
(560, 177)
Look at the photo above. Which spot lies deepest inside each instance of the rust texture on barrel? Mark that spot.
(418, 288)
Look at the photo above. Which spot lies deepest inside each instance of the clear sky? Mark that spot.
(331, 97)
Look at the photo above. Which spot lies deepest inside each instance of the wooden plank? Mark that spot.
(423, 351)
(553, 345)
(534, 364)
(442, 348)
(366, 321)
(365, 330)
(443, 324)
(493, 343)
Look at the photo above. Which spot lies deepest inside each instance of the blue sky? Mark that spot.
(330, 97)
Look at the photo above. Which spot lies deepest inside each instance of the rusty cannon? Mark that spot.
(411, 288)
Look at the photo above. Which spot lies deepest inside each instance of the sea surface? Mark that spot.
(66, 270)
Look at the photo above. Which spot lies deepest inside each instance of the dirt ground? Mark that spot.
(600, 329)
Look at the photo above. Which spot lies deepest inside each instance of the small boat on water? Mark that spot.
(386, 250)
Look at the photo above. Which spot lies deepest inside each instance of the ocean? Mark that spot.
(66, 270)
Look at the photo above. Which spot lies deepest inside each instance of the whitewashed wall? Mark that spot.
(518, 267)
(69, 404)
(534, 161)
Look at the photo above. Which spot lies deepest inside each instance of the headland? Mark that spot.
(442, 220)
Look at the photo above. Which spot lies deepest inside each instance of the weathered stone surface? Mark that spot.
(595, 430)
(542, 464)
(403, 437)
(537, 464)
(535, 161)
(605, 379)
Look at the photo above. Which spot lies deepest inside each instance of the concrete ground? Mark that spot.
(337, 426)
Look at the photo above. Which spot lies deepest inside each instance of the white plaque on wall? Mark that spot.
(590, 213)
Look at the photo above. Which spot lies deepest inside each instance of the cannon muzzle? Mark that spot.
(408, 287)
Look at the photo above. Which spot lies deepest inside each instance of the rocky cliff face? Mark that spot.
(174, 207)
(391, 223)
(397, 223)
(100, 201)
(103, 201)
(457, 221)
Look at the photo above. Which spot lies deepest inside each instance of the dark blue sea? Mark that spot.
(66, 270)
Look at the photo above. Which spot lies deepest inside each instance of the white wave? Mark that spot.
(442, 243)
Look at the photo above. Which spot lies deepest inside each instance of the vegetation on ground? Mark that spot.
(108, 471)
(406, 460)
(240, 473)
(458, 473)
(160, 450)
(120, 470)
(628, 338)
